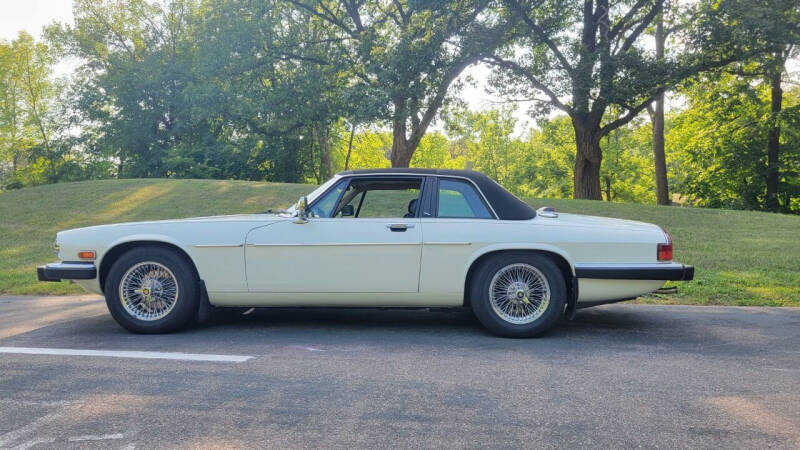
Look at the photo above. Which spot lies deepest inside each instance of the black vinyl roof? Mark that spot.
(504, 203)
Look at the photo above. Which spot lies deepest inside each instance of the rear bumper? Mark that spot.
(67, 271)
(654, 271)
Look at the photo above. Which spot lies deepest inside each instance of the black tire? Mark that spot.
(186, 304)
(481, 303)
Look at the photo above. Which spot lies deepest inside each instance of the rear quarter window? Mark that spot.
(459, 199)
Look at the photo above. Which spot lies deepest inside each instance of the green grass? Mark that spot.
(741, 257)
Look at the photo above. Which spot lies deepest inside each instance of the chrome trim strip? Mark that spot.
(447, 243)
(70, 266)
(334, 244)
(406, 174)
(218, 245)
(658, 265)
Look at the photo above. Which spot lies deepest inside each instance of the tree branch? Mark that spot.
(622, 23)
(540, 33)
(352, 11)
(400, 11)
(436, 102)
(646, 21)
(520, 71)
(330, 19)
(630, 115)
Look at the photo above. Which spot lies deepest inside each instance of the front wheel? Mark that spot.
(518, 294)
(152, 290)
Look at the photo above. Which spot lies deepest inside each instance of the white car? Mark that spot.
(373, 238)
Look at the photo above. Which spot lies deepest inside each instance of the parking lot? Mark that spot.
(617, 376)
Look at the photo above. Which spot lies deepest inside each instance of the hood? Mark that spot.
(225, 218)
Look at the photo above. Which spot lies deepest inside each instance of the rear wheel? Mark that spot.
(518, 294)
(152, 290)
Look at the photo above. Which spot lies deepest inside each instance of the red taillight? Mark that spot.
(665, 250)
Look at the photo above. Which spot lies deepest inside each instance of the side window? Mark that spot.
(459, 199)
(324, 207)
(380, 198)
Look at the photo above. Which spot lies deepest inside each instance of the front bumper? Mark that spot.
(67, 271)
(654, 271)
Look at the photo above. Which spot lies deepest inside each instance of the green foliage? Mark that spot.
(435, 150)
(609, 64)
(485, 140)
(402, 56)
(718, 145)
(370, 150)
(548, 167)
(30, 118)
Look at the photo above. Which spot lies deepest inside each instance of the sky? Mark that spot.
(31, 15)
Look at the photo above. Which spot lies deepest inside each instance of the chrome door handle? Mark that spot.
(399, 226)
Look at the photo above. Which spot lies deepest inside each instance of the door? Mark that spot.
(362, 236)
(459, 224)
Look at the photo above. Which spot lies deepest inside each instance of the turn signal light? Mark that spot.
(86, 254)
(665, 250)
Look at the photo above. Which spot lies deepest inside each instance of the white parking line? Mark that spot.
(126, 354)
(33, 443)
(96, 437)
(12, 436)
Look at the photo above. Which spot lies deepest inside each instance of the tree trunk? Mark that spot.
(401, 147)
(586, 182)
(325, 168)
(349, 147)
(659, 158)
(773, 143)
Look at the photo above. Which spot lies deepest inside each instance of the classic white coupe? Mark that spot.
(373, 238)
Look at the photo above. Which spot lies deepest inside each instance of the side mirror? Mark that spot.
(302, 210)
(347, 211)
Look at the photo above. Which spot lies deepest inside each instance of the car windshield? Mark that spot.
(314, 194)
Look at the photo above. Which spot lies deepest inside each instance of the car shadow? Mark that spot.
(461, 320)
(391, 328)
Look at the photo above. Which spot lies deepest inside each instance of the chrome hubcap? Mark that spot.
(519, 293)
(148, 291)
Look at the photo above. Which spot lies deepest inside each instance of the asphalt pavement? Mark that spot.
(618, 376)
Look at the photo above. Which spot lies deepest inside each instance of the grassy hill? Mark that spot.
(742, 257)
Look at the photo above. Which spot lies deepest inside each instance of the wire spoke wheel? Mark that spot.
(148, 291)
(519, 293)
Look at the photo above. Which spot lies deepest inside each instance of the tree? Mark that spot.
(12, 121)
(594, 55)
(38, 91)
(274, 78)
(718, 142)
(370, 149)
(776, 40)
(136, 59)
(405, 55)
(780, 40)
(657, 112)
(29, 126)
(487, 142)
